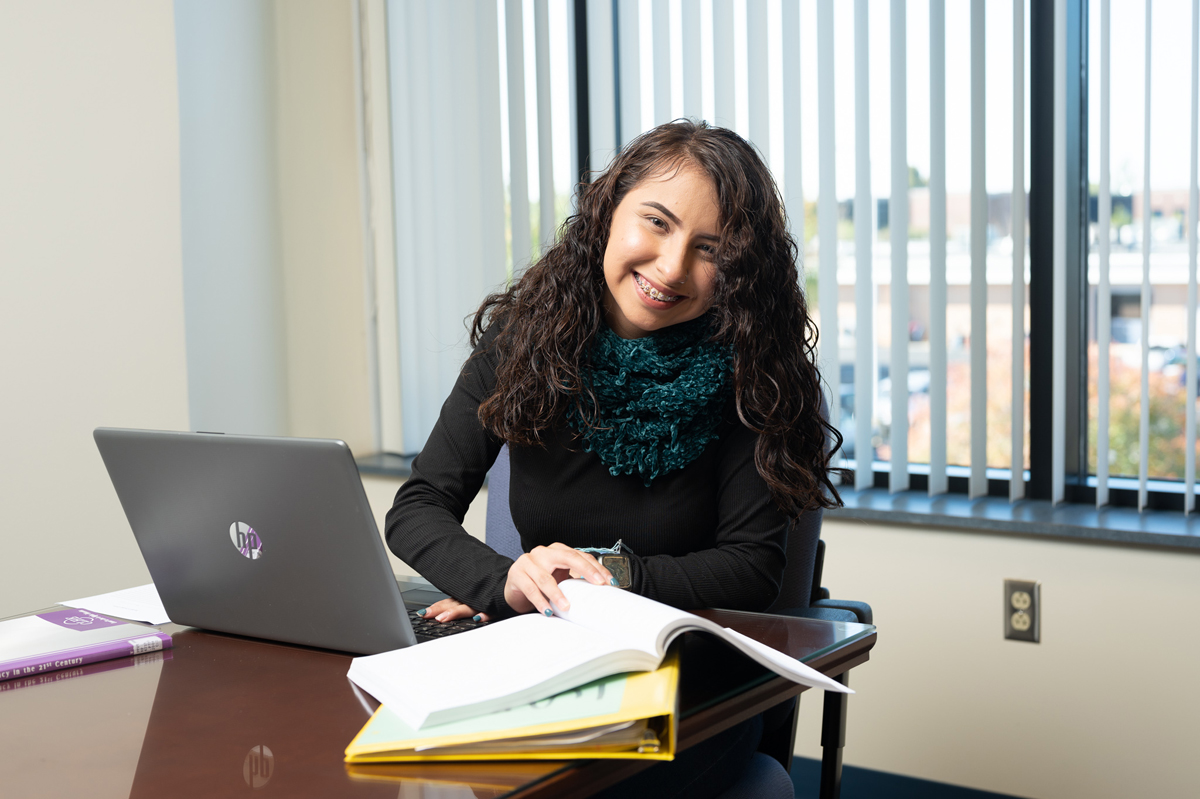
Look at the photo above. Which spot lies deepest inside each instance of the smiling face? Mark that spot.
(659, 265)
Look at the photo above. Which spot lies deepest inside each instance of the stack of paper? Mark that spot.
(488, 678)
(623, 716)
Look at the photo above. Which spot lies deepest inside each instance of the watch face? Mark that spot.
(618, 567)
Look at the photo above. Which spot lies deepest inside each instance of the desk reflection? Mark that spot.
(234, 715)
(79, 731)
(453, 781)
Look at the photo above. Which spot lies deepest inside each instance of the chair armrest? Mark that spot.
(861, 610)
(825, 614)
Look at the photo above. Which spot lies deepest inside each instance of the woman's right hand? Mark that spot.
(534, 577)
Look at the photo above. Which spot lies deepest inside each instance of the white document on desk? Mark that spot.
(141, 603)
(812, 677)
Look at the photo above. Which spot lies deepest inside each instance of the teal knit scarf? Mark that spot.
(661, 397)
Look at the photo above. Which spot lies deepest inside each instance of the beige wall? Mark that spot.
(91, 303)
(91, 306)
(321, 223)
(1106, 706)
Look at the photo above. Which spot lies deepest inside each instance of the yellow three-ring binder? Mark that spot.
(629, 716)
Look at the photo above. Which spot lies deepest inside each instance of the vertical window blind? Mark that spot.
(914, 231)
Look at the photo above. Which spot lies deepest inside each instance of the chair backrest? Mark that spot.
(805, 552)
(500, 533)
(799, 572)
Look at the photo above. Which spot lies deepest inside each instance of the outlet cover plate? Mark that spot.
(1023, 610)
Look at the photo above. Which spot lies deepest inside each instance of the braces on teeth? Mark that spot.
(653, 292)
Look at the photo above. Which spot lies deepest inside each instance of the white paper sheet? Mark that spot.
(139, 604)
(809, 675)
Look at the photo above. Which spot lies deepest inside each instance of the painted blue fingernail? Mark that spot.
(422, 611)
(477, 617)
(548, 612)
(612, 580)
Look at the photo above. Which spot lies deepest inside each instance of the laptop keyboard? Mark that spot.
(431, 628)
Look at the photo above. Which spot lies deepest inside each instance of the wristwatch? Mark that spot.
(612, 559)
(618, 567)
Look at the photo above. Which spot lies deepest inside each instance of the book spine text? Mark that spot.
(79, 656)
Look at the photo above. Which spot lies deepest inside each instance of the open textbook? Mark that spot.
(530, 657)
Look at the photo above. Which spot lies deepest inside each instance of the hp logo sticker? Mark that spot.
(246, 540)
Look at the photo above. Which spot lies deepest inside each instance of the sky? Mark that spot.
(1170, 93)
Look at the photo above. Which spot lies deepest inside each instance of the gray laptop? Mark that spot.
(265, 537)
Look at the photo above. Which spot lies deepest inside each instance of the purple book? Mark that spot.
(64, 639)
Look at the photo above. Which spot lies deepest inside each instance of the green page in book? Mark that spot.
(600, 698)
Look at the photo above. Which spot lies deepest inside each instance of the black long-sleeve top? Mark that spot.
(706, 535)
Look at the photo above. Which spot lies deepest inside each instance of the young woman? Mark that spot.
(653, 376)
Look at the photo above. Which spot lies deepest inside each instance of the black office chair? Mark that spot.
(500, 533)
(803, 596)
(800, 595)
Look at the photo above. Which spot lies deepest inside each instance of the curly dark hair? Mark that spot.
(553, 312)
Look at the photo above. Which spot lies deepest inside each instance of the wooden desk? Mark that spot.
(220, 715)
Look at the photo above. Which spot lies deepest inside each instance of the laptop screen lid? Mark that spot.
(259, 536)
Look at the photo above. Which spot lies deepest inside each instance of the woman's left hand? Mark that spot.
(451, 610)
(534, 577)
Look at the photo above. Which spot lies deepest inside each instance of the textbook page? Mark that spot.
(651, 626)
(633, 619)
(530, 657)
(787, 666)
(504, 664)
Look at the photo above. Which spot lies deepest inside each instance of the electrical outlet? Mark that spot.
(1022, 610)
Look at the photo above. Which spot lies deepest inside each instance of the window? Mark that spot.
(1141, 261)
(939, 165)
